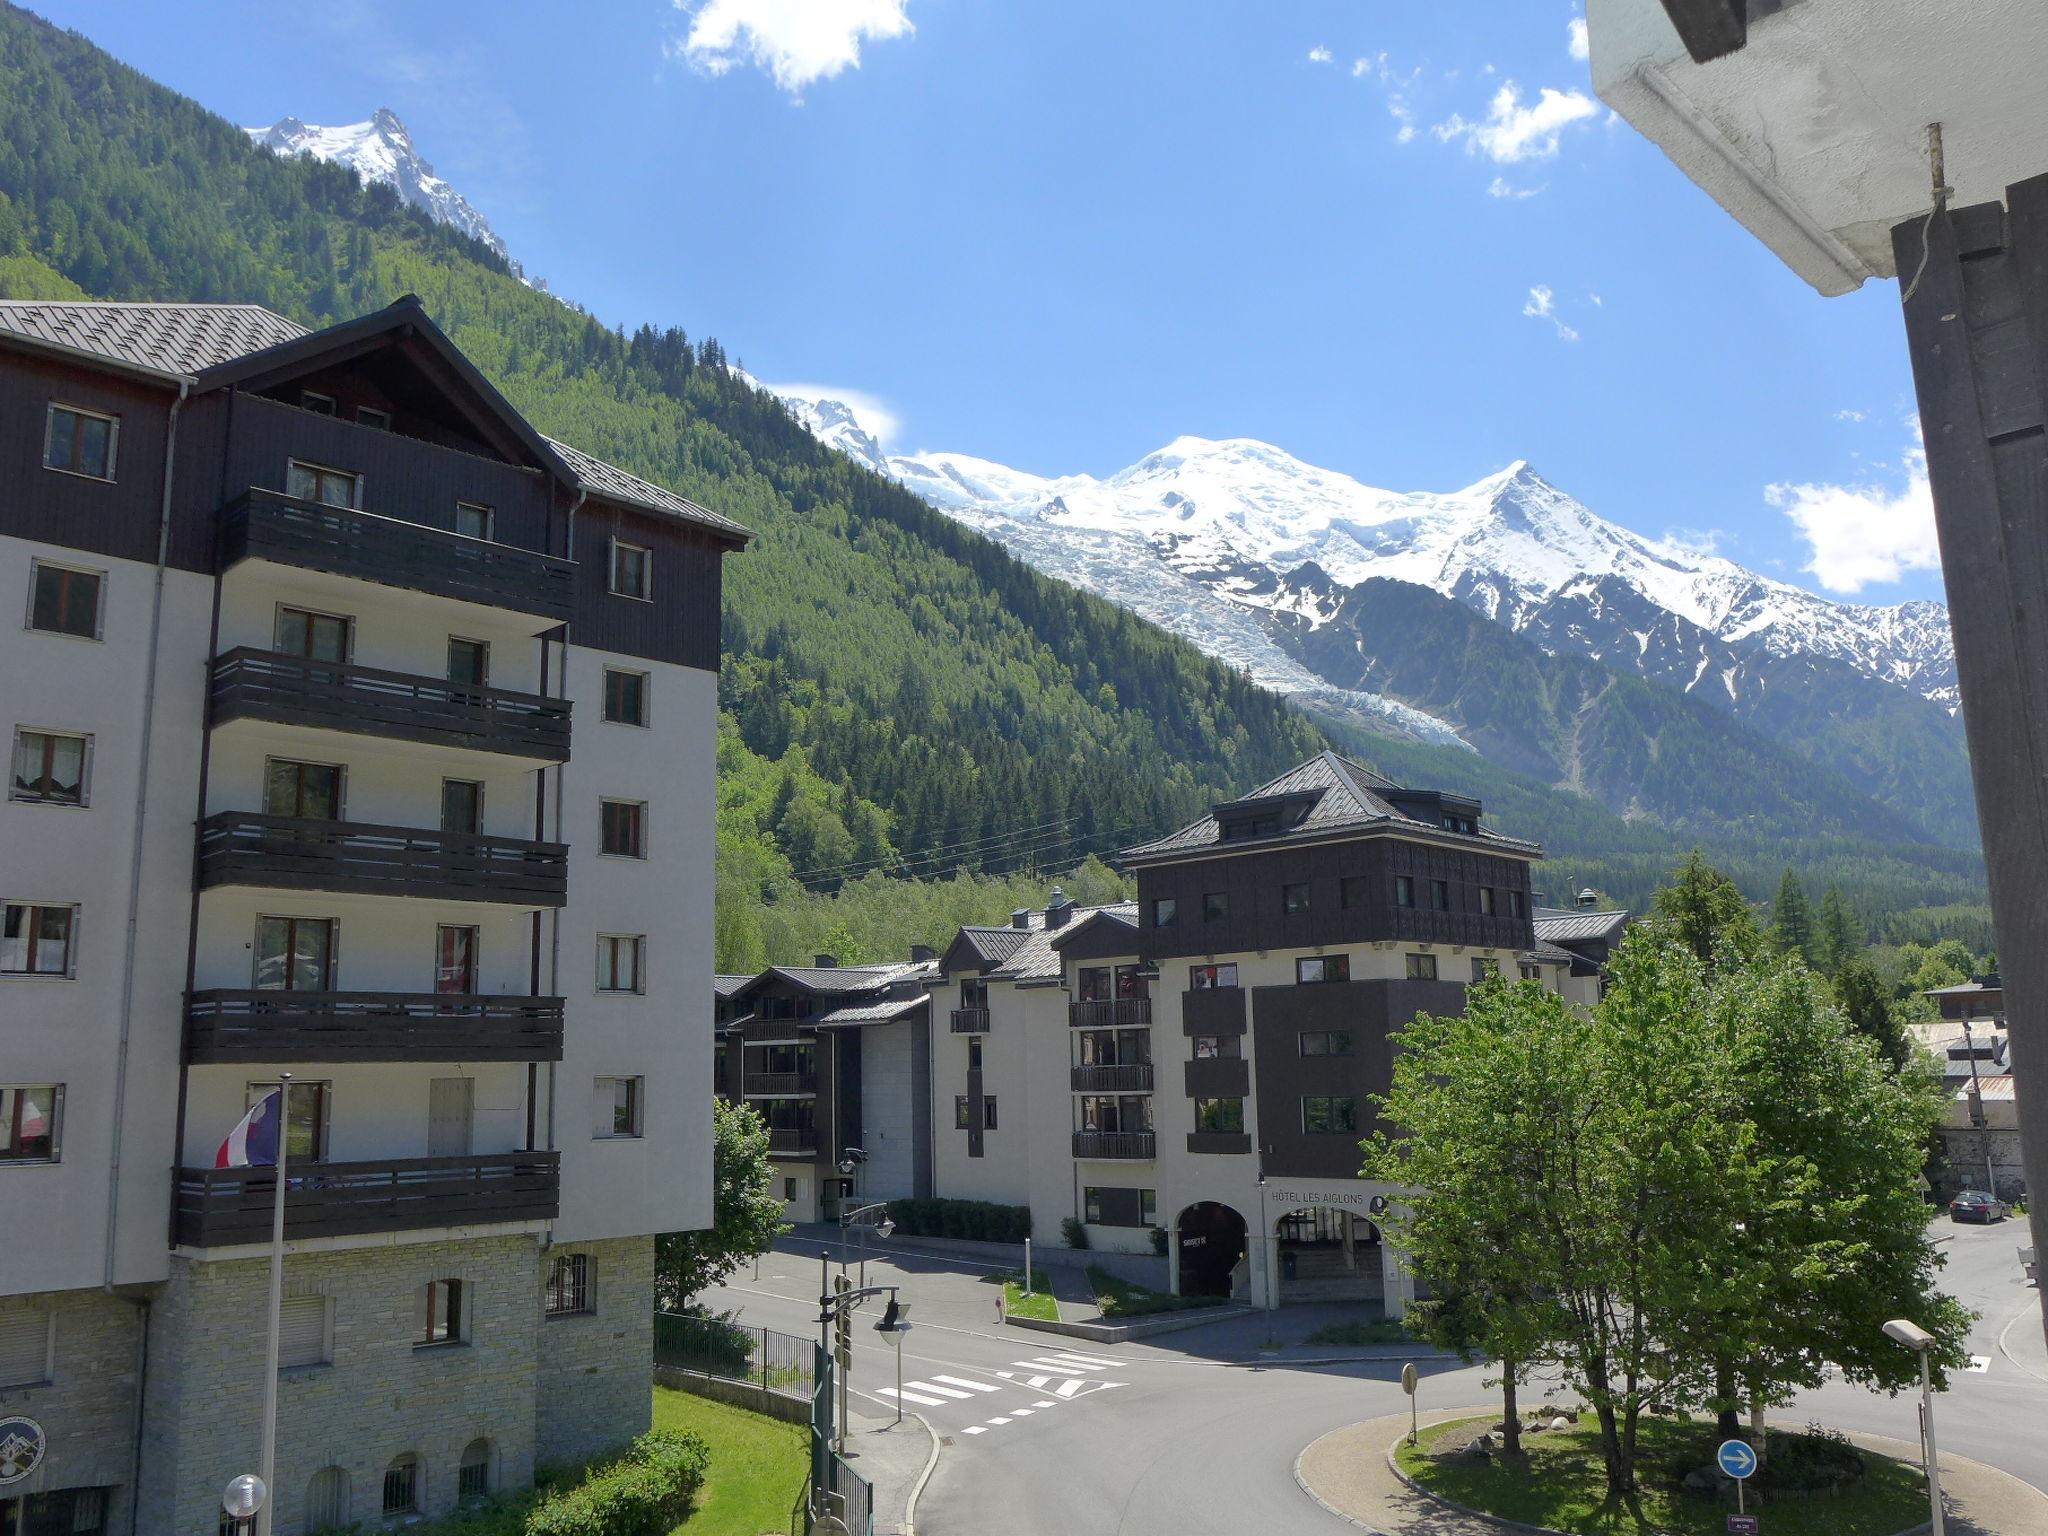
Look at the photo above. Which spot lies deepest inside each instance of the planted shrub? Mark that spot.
(980, 1221)
(698, 1339)
(1159, 1240)
(646, 1492)
(1075, 1231)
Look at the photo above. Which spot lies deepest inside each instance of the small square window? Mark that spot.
(616, 1109)
(1314, 968)
(789, 1191)
(1294, 898)
(1325, 1042)
(317, 403)
(1091, 1205)
(622, 829)
(370, 416)
(1486, 900)
(632, 570)
(327, 487)
(31, 1124)
(1206, 978)
(81, 442)
(1220, 1117)
(1422, 967)
(25, 1343)
(1329, 1116)
(1215, 906)
(469, 662)
(1148, 1207)
(621, 962)
(1165, 912)
(438, 1315)
(1518, 904)
(1482, 967)
(1440, 895)
(65, 601)
(50, 768)
(1353, 891)
(1218, 1047)
(313, 636)
(568, 1284)
(472, 520)
(38, 939)
(625, 696)
(304, 1336)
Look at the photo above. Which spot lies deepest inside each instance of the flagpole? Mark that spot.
(264, 1522)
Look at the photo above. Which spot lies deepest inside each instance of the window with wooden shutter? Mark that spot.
(24, 1347)
(302, 1332)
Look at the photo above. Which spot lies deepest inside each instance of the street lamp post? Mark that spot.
(1921, 1342)
(850, 1218)
(1977, 1115)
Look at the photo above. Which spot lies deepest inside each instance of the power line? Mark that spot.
(841, 870)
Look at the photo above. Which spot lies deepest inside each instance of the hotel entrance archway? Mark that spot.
(1327, 1254)
(1209, 1238)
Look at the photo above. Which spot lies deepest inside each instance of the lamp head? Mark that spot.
(1910, 1334)
(244, 1496)
(886, 1227)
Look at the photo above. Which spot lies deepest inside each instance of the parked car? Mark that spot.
(1976, 1205)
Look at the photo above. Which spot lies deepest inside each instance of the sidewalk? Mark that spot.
(1348, 1473)
(892, 1457)
(1070, 1288)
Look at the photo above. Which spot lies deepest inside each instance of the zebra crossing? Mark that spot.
(1050, 1381)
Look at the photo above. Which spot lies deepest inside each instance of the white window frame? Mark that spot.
(99, 616)
(48, 1373)
(308, 395)
(639, 987)
(355, 501)
(646, 592)
(56, 1130)
(364, 413)
(639, 1106)
(113, 422)
(70, 971)
(84, 768)
(645, 838)
(646, 719)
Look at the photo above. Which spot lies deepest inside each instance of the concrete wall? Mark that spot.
(595, 1367)
(87, 1407)
(890, 1088)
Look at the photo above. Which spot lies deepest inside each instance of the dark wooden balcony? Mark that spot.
(289, 853)
(784, 1143)
(249, 684)
(279, 1026)
(768, 1085)
(1129, 1077)
(970, 1021)
(1112, 1013)
(1115, 1144)
(267, 525)
(228, 1207)
(1425, 925)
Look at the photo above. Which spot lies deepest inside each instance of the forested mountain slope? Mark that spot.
(901, 694)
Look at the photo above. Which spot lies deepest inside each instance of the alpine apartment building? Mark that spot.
(1199, 1061)
(360, 732)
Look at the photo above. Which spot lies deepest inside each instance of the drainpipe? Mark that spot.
(156, 621)
(141, 1400)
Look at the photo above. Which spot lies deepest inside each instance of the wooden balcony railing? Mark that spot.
(290, 853)
(266, 525)
(227, 1207)
(792, 1142)
(249, 684)
(1113, 1013)
(279, 1026)
(768, 1085)
(970, 1021)
(1115, 1144)
(1131, 1077)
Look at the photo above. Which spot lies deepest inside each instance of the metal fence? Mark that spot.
(853, 1499)
(713, 1346)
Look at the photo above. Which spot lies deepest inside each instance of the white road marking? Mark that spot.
(1979, 1363)
(1020, 1413)
(1070, 1389)
(972, 1429)
(1073, 1359)
(1049, 1365)
(1045, 1405)
(994, 1422)
(913, 1397)
(1035, 1383)
(925, 1386)
(962, 1381)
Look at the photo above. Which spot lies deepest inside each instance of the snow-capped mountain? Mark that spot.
(1273, 536)
(381, 149)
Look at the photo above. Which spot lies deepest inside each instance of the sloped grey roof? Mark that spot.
(995, 945)
(1570, 925)
(1962, 987)
(1550, 954)
(888, 1009)
(1035, 962)
(159, 338)
(1348, 795)
(616, 484)
(845, 980)
(725, 986)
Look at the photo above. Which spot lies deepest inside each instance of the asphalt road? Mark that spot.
(1042, 1440)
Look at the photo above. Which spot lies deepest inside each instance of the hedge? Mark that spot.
(977, 1220)
(646, 1491)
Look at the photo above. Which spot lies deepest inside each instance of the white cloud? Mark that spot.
(1513, 132)
(1859, 534)
(1849, 413)
(1598, 302)
(1576, 39)
(795, 41)
(1360, 68)
(1500, 188)
(1542, 305)
(1320, 55)
(871, 412)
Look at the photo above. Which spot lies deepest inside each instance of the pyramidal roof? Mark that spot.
(1340, 795)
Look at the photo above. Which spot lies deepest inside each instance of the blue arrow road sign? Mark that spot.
(1736, 1458)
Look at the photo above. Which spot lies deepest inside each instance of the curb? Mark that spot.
(1495, 1522)
(1391, 1352)
(931, 1465)
(1137, 1328)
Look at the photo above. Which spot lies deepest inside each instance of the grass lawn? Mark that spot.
(757, 1465)
(1038, 1304)
(1563, 1483)
(1120, 1298)
(1384, 1331)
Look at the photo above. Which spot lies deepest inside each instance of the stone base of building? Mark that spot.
(594, 1388)
(85, 1405)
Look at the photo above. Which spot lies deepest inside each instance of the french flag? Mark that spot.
(253, 1142)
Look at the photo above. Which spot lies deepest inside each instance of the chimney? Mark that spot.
(922, 954)
(1021, 918)
(1058, 908)
(827, 962)
(1587, 900)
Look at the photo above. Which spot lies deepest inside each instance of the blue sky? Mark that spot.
(1059, 233)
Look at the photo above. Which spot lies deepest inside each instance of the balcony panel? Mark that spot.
(769, 1085)
(1218, 1144)
(266, 525)
(792, 1143)
(275, 1026)
(1217, 1077)
(1109, 1014)
(289, 853)
(970, 1021)
(1128, 1145)
(1131, 1077)
(230, 1207)
(249, 684)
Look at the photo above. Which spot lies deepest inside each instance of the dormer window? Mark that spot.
(317, 403)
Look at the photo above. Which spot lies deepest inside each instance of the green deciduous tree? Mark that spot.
(1706, 913)
(746, 1216)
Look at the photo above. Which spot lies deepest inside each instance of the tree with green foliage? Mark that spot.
(1871, 1012)
(1791, 931)
(746, 1216)
(1706, 913)
(1836, 938)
